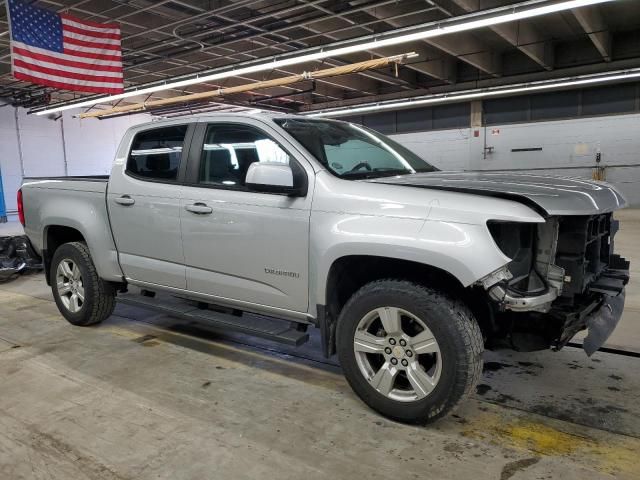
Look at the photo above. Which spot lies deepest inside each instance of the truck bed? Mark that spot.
(89, 178)
(77, 204)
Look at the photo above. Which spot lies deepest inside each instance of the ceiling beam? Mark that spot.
(463, 46)
(326, 27)
(467, 48)
(269, 39)
(591, 21)
(521, 35)
(363, 82)
(434, 67)
(331, 28)
(440, 67)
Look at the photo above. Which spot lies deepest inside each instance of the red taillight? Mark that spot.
(20, 208)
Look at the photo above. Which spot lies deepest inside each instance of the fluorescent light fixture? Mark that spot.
(482, 93)
(462, 23)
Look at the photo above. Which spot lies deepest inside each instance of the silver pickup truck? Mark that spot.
(268, 225)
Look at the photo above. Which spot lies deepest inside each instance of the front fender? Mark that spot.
(466, 251)
(445, 230)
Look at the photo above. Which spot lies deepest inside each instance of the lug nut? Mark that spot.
(392, 341)
(403, 342)
(394, 361)
(409, 353)
(404, 362)
(387, 351)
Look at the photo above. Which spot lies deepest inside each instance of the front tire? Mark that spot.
(82, 297)
(409, 351)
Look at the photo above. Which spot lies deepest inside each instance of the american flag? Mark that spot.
(61, 51)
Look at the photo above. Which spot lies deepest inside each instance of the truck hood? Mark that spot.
(553, 195)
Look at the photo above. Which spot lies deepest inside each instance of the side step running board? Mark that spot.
(255, 325)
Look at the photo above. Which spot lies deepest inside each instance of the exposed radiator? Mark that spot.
(584, 249)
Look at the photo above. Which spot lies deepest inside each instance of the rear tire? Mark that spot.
(408, 351)
(82, 297)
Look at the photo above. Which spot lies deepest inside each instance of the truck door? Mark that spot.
(241, 246)
(144, 205)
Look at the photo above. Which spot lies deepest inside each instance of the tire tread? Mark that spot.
(470, 361)
(103, 294)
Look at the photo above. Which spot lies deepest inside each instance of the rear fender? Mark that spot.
(84, 212)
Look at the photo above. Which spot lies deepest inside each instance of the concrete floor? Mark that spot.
(144, 396)
(627, 244)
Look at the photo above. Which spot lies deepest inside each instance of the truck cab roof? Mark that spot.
(264, 115)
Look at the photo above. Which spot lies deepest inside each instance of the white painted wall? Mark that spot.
(10, 168)
(566, 144)
(446, 149)
(88, 149)
(91, 144)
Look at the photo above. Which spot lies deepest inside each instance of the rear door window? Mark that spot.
(156, 154)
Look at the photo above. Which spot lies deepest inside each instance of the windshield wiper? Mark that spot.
(377, 173)
(392, 171)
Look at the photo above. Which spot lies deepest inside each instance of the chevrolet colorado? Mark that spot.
(269, 225)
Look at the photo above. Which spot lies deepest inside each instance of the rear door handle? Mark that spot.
(199, 208)
(124, 200)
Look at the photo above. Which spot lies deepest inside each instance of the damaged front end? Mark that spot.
(563, 277)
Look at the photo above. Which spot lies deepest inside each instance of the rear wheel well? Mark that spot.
(348, 274)
(55, 236)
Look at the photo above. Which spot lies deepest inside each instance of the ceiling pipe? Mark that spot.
(328, 72)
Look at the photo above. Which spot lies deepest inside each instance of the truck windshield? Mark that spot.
(351, 151)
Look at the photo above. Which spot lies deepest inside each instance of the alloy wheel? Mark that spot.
(397, 354)
(70, 285)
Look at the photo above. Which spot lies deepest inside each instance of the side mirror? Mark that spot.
(272, 177)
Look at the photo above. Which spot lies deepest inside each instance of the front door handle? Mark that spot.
(199, 208)
(124, 200)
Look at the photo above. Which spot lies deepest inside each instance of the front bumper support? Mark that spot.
(602, 314)
(602, 322)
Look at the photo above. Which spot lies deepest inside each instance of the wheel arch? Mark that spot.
(348, 273)
(95, 234)
(53, 237)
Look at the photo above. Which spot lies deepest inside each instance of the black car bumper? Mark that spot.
(601, 310)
